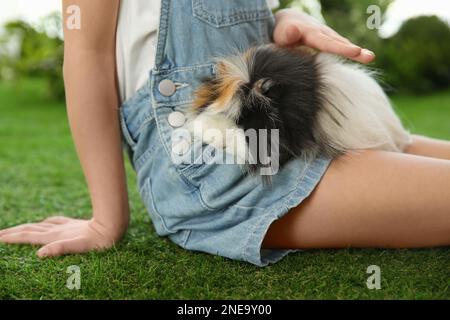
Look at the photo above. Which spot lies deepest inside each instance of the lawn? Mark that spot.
(40, 176)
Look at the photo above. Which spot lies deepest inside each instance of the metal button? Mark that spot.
(167, 87)
(176, 119)
(181, 147)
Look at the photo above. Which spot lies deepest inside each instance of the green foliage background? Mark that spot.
(38, 54)
(417, 58)
(414, 61)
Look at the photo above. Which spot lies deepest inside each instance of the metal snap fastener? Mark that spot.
(167, 87)
(176, 119)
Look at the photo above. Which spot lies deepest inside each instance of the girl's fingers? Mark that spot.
(46, 225)
(336, 35)
(291, 32)
(24, 228)
(61, 247)
(28, 237)
(366, 56)
(287, 34)
(13, 229)
(57, 220)
(325, 43)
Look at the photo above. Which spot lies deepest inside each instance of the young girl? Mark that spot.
(369, 199)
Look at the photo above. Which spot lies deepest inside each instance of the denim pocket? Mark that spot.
(134, 114)
(126, 133)
(147, 197)
(193, 161)
(222, 13)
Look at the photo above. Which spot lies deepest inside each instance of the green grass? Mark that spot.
(40, 176)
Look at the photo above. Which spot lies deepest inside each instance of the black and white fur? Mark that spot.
(319, 103)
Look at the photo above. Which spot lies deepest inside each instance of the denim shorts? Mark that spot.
(213, 208)
(207, 207)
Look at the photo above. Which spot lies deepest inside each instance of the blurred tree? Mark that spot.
(285, 3)
(29, 51)
(350, 18)
(416, 59)
(311, 7)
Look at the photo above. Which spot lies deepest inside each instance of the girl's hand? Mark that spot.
(294, 27)
(61, 235)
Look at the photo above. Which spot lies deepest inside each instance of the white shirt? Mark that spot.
(136, 42)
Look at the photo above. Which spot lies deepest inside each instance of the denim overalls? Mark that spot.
(213, 208)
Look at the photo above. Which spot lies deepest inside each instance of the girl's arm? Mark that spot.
(92, 105)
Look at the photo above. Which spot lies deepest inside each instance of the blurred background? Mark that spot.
(410, 37)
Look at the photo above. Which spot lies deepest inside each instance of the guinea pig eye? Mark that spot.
(264, 85)
(267, 84)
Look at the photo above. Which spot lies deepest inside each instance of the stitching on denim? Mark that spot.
(125, 132)
(246, 208)
(195, 189)
(229, 18)
(174, 103)
(204, 203)
(145, 122)
(139, 162)
(162, 32)
(191, 187)
(185, 170)
(253, 233)
(165, 72)
(188, 235)
(158, 124)
(152, 204)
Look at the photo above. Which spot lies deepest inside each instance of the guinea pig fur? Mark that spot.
(314, 102)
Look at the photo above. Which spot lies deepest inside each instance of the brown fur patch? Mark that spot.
(204, 96)
(221, 90)
(228, 87)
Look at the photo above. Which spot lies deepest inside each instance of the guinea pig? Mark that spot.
(305, 103)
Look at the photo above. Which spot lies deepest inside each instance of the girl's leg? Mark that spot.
(372, 199)
(429, 147)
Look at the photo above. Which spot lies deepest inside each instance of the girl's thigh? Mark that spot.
(429, 147)
(372, 199)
